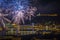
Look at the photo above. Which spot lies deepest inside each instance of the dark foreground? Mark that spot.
(31, 37)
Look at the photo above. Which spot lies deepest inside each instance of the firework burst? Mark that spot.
(2, 18)
(21, 15)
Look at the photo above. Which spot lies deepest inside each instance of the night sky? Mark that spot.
(47, 6)
(44, 6)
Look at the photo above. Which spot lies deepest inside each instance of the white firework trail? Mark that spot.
(20, 15)
(2, 18)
